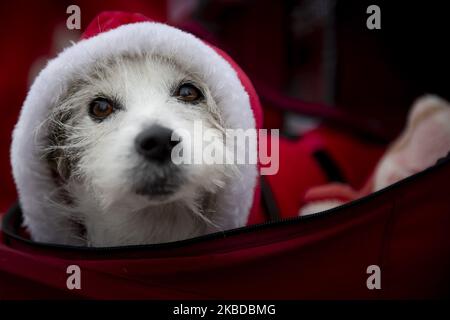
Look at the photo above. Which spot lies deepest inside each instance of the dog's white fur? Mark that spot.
(37, 188)
(100, 190)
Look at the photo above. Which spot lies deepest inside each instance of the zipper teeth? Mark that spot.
(217, 235)
(175, 244)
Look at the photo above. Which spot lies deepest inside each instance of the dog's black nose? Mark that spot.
(155, 143)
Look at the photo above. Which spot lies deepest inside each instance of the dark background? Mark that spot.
(296, 51)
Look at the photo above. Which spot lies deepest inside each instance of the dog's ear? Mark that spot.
(425, 140)
(57, 156)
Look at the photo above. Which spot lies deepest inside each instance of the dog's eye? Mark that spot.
(101, 108)
(189, 93)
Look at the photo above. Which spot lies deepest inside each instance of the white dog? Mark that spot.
(92, 152)
(110, 141)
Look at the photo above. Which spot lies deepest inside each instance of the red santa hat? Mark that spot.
(116, 33)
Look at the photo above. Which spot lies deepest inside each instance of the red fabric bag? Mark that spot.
(403, 229)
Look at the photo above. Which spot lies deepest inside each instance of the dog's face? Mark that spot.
(112, 137)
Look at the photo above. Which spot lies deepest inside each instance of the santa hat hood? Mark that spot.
(116, 33)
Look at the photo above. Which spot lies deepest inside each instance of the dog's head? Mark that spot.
(117, 136)
(111, 126)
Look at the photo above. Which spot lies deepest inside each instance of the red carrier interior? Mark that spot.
(403, 229)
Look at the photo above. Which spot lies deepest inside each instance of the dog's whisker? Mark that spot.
(196, 209)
